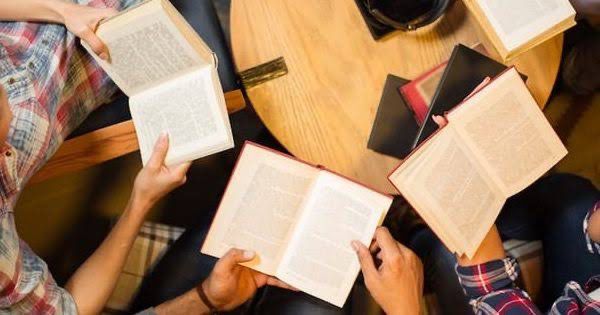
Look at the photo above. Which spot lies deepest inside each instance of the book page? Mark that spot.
(519, 21)
(188, 109)
(449, 184)
(320, 260)
(508, 133)
(146, 48)
(260, 206)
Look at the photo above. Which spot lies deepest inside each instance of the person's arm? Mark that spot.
(488, 278)
(80, 20)
(228, 286)
(94, 281)
(396, 284)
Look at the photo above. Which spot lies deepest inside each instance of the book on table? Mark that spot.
(515, 26)
(495, 144)
(170, 76)
(299, 219)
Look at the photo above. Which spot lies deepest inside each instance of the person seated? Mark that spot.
(562, 211)
(188, 282)
(48, 85)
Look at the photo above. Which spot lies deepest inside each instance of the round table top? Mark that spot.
(322, 111)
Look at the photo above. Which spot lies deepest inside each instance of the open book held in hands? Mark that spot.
(496, 143)
(299, 219)
(515, 26)
(170, 76)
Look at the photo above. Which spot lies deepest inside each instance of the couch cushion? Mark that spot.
(202, 17)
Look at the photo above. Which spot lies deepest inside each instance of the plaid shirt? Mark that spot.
(52, 84)
(492, 290)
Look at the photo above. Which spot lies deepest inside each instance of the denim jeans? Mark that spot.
(551, 210)
(183, 267)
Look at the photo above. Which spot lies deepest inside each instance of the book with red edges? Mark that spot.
(495, 144)
(420, 91)
(299, 219)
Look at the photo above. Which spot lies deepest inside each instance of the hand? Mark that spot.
(156, 180)
(83, 21)
(397, 285)
(441, 121)
(230, 284)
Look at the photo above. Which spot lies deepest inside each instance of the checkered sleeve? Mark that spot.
(592, 246)
(491, 288)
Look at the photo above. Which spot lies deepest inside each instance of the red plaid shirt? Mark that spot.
(52, 84)
(492, 290)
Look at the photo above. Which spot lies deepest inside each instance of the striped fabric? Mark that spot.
(152, 242)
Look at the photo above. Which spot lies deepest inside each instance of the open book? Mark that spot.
(515, 26)
(496, 143)
(170, 76)
(299, 219)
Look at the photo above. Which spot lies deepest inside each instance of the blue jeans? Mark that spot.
(183, 267)
(551, 210)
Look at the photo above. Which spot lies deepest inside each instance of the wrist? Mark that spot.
(138, 206)
(203, 294)
(56, 11)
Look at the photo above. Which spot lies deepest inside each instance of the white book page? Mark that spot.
(319, 259)
(505, 129)
(403, 177)
(188, 109)
(146, 49)
(451, 185)
(519, 21)
(260, 207)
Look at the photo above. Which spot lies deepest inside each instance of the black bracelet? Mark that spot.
(206, 301)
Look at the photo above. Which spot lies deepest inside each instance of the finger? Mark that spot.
(480, 86)
(97, 46)
(100, 48)
(367, 265)
(180, 170)
(374, 247)
(278, 283)
(387, 243)
(233, 257)
(441, 121)
(161, 147)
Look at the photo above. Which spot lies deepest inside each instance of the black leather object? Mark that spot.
(202, 17)
(395, 127)
(466, 69)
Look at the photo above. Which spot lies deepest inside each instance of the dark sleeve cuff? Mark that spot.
(480, 280)
(592, 246)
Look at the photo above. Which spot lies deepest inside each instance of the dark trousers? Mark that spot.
(551, 210)
(183, 267)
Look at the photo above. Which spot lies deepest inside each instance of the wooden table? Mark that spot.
(323, 110)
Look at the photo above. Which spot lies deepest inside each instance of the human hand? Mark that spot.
(397, 284)
(230, 284)
(156, 179)
(83, 21)
(441, 121)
